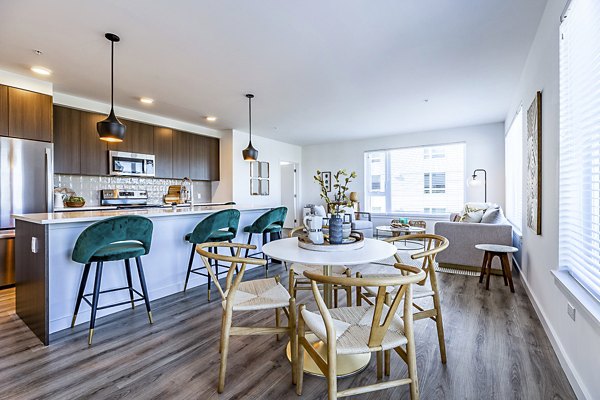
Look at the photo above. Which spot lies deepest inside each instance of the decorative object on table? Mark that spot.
(250, 153)
(534, 164)
(474, 182)
(75, 201)
(59, 199)
(259, 178)
(356, 240)
(111, 129)
(314, 227)
(346, 225)
(399, 223)
(173, 195)
(336, 204)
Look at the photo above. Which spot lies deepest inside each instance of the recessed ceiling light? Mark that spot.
(426, 100)
(146, 100)
(41, 70)
(211, 119)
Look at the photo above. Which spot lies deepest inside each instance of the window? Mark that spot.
(513, 170)
(434, 182)
(579, 207)
(416, 180)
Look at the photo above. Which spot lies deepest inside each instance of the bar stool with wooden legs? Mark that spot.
(427, 288)
(112, 239)
(269, 223)
(361, 329)
(220, 226)
(254, 295)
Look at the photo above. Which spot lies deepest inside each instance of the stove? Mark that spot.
(125, 198)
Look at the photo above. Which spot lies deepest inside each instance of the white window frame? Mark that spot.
(388, 205)
(515, 219)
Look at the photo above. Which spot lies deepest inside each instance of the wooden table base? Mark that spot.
(486, 268)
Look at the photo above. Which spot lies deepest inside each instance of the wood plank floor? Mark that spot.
(496, 347)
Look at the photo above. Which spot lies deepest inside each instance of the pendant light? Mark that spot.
(250, 153)
(111, 129)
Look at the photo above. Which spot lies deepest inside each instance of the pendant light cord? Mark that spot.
(250, 118)
(112, 74)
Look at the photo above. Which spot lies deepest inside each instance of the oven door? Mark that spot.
(131, 164)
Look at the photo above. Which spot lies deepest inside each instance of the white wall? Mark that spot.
(484, 149)
(269, 150)
(577, 343)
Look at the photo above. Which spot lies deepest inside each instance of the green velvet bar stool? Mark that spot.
(112, 239)
(269, 223)
(220, 226)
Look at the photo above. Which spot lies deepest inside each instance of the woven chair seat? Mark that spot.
(418, 290)
(259, 294)
(352, 328)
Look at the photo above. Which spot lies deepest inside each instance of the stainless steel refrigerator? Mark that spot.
(26, 186)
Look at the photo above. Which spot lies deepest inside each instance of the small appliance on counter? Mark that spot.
(125, 198)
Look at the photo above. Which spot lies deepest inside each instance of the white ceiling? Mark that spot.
(320, 70)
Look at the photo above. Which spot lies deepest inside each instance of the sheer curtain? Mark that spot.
(513, 168)
(579, 210)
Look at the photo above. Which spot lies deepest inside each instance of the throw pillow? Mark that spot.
(472, 216)
(493, 216)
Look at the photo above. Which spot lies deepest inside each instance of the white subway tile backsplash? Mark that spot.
(89, 186)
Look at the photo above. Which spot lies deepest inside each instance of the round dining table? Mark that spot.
(287, 250)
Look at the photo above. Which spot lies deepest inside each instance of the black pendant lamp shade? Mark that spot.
(111, 129)
(250, 153)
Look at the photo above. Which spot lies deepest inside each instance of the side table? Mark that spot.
(502, 252)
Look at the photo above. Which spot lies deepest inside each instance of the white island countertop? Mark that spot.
(96, 215)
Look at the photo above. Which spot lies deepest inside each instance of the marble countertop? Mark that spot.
(95, 215)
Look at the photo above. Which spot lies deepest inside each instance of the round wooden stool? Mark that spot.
(502, 252)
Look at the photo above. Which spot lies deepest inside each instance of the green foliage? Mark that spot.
(340, 190)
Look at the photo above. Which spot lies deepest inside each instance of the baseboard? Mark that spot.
(495, 271)
(576, 383)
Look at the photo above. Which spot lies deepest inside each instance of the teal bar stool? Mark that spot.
(220, 226)
(269, 223)
(112, 239)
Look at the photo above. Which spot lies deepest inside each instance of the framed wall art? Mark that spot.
(534, 165)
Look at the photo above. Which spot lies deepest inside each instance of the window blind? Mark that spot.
(416, 180)
(579, 207)
(513, 168)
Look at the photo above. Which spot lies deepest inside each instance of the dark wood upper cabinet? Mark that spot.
(3, 110)
(163, 152)
(199, 157)
(181, 154)
(94, 152)
(142, 138)
(29, 115)
(214, 168)
(67, 140)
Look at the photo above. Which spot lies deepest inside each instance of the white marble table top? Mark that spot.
(288, 250)
(496, 248)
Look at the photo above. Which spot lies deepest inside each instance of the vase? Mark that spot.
(336, 233)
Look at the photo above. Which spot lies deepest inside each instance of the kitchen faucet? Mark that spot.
(186, 194)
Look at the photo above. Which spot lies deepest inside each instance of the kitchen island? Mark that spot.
(47, 279)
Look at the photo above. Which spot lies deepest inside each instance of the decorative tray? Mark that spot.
(355, 241)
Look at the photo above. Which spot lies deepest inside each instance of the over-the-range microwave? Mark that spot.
(131, 164)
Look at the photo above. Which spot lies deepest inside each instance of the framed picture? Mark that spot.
(327, 179)
(534, 165)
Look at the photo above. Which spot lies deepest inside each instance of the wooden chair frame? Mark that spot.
(295, 285)
(378, 331)
(228, 296)
(433, 245)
